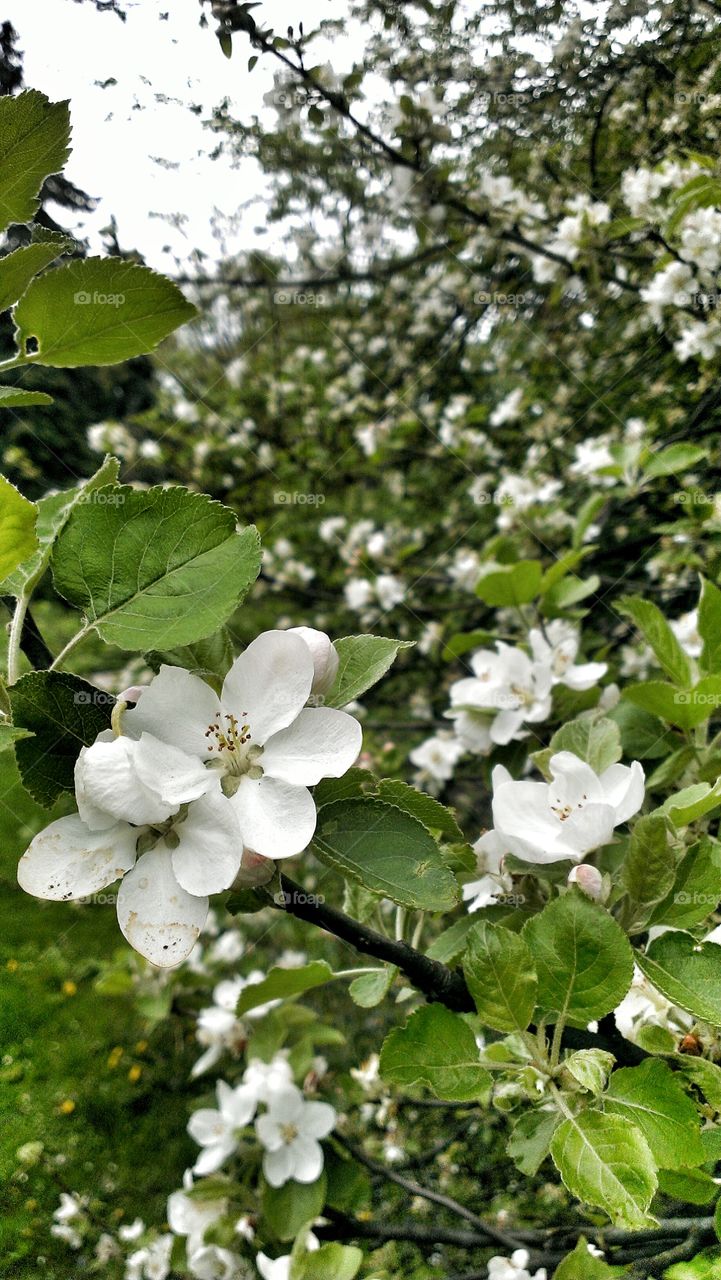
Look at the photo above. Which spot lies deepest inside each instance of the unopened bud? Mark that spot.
(325, 658)
(254, 870)
(588, 879)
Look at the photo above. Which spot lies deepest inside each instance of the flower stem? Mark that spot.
(79, 635)
(16, 630)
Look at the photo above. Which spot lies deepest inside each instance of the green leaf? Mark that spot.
(18, 517)
(693, 1186)
(370, 989)
(650, 1097)
(19, 268)
(606, 1162)
(209, 658)
(697, 887)
(692, 803)
(582, 1265)
(648, 872)
(280, 984)
(501, 977)
(591, 1068)
(156, 568)
(434, 815)
(569, 592)
(657, 633)
(704, 1074)
(687, 972)
(286, 1209)
(451, 944)
(530, 1140)
(97, 311)
(342, 1262)
(583, 959)
(53, 512)
(64, 714)
(709, 627)
(643, 736)
(684, 707)
(387, 851)
(363, 661)
(16, 398)
(34, 142)
(435, 1048)
(597, 741)
(677, 457)
(515, 584)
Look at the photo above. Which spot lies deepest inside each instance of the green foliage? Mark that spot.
(688, 973)
(387, 851)
(500, 973)
(17, 528)
(435, 1048)
(63, 714)
(363, 661)
(128, 559)
(35, 142)
(583, 959)
(605, 1161)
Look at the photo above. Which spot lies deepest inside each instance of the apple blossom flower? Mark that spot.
(492, 882)
(215, 1263)
(577, 811)
(508, 683)
(190, 1217)
(513, 1268)
(262, 742)
(290, 1132)
(557, 647)
(436, 759)
(279, 1268)
(264, 1078)
(216, 1131)
(686, 632)
(152, 1262)
(643, 1005)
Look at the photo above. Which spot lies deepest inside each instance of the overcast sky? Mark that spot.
(120, 132)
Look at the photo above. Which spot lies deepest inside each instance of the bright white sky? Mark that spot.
(120, 132)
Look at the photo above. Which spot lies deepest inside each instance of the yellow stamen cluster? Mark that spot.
(230, 736)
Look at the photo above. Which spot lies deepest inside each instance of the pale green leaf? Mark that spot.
(155, 568)
(657, 633)
(370, 989)
(709, 627)
(435, 1048)
(650, 1097)
(582, 1265)
(583, 959)
(648, 871)
(514, 584)
(97, 311)
(500, 974)
(19, 268)
(606, 1162)
(363, 661)
(34, 142)
(530, 1140)
(17, 398)
(590, 1068)
(18, 517)
(281, 984)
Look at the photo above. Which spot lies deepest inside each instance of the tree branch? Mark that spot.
(434, 980)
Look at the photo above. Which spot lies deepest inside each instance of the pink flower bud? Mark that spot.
(254, 870)
(588, 879)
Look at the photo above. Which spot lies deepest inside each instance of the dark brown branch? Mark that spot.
(434, 980)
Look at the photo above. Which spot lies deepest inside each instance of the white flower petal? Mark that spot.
(213, 1157)
(624, 788)
(287, 1105)
(106, 779)
(67, 860)
(158, 918)
(318, 1119)
(206, 1126)
(307, 1159)
(177, 708)
(278, 1166)
(269, 1134)
(320, 743)
(269, 683)
(277, 820)
(176, 776)
(210, 846)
